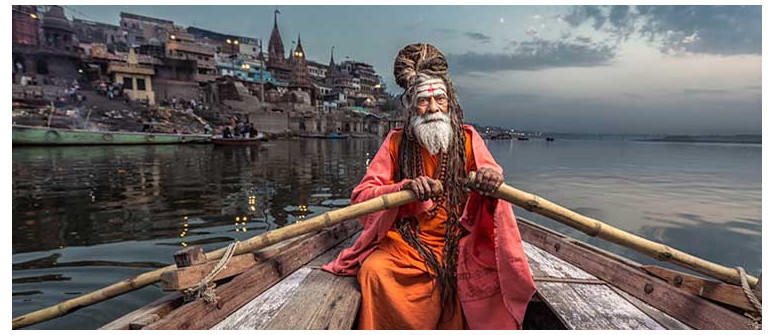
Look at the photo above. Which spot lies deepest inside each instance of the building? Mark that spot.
(317, 71)
(98, 32)
(225, 43)
(24, 25)
(58, 32)
(181, 45)
(136, 79)
(141, 29)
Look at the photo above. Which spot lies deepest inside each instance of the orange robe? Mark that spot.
(398, 292)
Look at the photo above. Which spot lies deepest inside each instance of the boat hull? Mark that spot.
(236, 141)
(23, 135)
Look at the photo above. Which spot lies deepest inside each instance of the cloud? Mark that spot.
(476, 36)
(535, 55)
(479, 37)
(724, 30)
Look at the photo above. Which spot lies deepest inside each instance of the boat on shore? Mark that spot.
(578, 286)
(31, 136)
(326, 136)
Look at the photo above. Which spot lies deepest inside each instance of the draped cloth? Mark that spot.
(494, 280)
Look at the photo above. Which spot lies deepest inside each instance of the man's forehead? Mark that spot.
(431, 87)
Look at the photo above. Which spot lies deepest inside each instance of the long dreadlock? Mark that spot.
(413, 60)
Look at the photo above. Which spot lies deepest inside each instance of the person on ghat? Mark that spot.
(454, 259)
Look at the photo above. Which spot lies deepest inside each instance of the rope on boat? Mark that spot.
(206, 288)
(757, 318)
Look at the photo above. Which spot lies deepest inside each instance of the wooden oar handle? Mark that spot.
(599, 229)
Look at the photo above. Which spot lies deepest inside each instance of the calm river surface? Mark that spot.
(86, 217)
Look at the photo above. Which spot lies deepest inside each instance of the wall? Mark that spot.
(136, 94)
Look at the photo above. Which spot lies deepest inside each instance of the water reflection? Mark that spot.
(101, 210)
(86, 217)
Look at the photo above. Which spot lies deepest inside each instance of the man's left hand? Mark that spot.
(487, 180)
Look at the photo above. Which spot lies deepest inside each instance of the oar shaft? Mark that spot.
(317, 223)
(597, 228)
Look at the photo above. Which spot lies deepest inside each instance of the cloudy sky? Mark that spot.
(586, 69)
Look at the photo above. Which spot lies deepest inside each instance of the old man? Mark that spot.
(453, 260)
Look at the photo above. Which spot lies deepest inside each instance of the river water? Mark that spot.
(86, 217)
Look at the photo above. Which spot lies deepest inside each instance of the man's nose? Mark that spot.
(433, 107)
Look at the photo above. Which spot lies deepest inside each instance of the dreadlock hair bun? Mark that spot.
(418, 58)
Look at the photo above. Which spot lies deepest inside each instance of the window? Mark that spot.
(128, 83)
(140, 84)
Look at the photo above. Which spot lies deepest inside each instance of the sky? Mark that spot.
(581, 69)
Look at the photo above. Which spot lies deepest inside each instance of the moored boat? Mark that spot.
(29, 135)
(238, 141)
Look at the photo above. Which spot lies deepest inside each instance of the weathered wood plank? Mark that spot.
(190, 256)
(308, 299)
(544, 264)
(246, 286)
(159, 307)
(690, 309)
(258, 312)
(710, 289)
(190, 276)
(593, 307)
(168, 303)
(579, 299)
(663, 319)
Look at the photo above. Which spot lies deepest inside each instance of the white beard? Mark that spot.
(434, 136)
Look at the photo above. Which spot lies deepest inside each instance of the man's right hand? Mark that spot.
(424, 187)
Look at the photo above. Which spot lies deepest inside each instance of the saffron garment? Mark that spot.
(494, 283)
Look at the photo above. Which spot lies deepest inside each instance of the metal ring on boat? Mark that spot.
(53, 136)
(150, 138)
(107, 137)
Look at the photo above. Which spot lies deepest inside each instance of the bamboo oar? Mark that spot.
(596, 228)
(317, 223)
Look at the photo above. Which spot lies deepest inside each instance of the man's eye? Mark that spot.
(441, 99)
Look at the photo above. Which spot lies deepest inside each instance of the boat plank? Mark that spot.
(168, 303)
(308, 299)
(246, 286)
(663, 319)
(688, 308)
(544, 264)
(584, 306)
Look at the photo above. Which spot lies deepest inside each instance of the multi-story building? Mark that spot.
(142, 29)
(98, 32)
(317, 71)
(225, 43)
(182, 46)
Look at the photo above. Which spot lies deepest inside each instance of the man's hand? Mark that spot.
(424, 187)
(487, 180)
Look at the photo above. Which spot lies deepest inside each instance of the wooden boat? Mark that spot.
(238, 141)
(500, 136)
(28, 135)
(578, 287)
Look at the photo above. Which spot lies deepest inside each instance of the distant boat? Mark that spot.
(500, 136)
(550, 139)
(327, 136)
(29, 135)
(523, 138)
